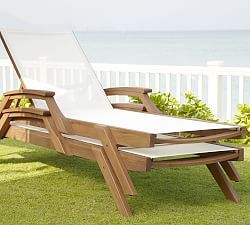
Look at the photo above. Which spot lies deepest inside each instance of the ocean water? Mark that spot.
(189, 48)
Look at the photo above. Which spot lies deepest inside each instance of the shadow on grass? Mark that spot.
(159, 188)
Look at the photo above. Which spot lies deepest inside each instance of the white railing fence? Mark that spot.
(222, 88)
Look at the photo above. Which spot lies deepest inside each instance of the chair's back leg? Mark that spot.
(120, 169)
(231, 171)
(223, 182)
(112, 181)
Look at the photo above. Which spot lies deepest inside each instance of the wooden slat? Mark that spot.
(127, 91)
(124, 137)
(28, 110)
(30, 92)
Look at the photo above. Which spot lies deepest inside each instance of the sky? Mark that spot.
(126, 14)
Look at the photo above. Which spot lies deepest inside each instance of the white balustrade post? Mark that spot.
(43, 68)
(214, 85)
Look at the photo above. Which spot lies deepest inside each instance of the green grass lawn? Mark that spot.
(39, 186)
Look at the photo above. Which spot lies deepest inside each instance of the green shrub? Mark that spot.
(163, 101)
(192, 108)
(23, 103)
(195, 108)
(242, 118)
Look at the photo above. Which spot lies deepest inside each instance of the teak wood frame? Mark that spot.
(114, 164)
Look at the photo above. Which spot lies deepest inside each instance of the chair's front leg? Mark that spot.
(115, 159)
(4, 124)
(5, 104)
(112, 181)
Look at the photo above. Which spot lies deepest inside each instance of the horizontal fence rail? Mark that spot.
(222, 88)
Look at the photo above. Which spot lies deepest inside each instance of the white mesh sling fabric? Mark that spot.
(56, 62)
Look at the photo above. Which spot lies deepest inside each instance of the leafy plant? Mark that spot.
(23, 102)
(192, 108)
(163, 101)
(242, 117)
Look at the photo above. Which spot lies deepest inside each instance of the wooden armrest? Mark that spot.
(41, 93)
(35, 111)
(131, 91)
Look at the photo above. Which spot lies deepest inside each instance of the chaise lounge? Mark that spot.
(72, 114)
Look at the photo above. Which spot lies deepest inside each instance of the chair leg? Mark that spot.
(4, 124)
(6, 102)
(231, 171)
(112, 181)
(114, 157)
(223, 182)
(56, 138)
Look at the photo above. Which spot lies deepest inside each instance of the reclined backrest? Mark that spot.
(56, 62)
(8, 78)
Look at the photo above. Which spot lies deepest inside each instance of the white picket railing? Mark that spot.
(222, 88)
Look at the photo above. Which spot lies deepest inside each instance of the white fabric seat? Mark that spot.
(144, 122)
(159, 151)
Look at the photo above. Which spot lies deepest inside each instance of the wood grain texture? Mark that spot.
(231, 171)
(84, 150)
(129, 106)
(123, 137)
(5, 104)
(56, 137)
(223, 182)
(42, 93)
(194, 161)
(115, 159)
(130, 91)
(4, 124)
(35, 111)
(112, 181)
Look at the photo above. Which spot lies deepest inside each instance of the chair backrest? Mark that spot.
(56, 62)
(8, 78)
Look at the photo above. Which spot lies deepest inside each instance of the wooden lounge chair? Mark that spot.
(72, 114)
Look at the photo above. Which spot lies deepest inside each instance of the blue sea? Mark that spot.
(189, 48)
